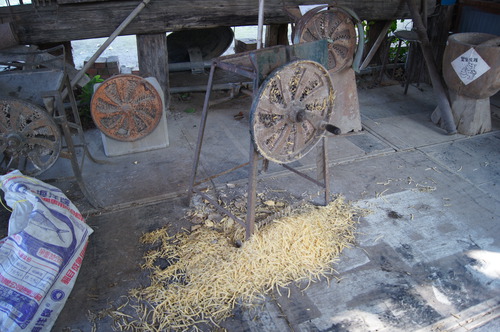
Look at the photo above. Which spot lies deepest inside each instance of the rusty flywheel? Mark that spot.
(30, 140)
(126, 107)
(334, 25)
(291, 111)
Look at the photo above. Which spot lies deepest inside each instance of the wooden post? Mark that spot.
(153, 59)
(438, 30)
(472, 116)
(276, 34)
(437, 84)
(108, 41)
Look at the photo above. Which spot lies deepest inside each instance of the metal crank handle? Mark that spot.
(330, 128)
(314, 118)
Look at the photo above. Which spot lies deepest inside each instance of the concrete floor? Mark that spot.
(427, 257)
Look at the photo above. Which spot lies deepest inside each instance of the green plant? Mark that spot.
(366, 27)
(88, 89)
(85, 97)
(403, 51)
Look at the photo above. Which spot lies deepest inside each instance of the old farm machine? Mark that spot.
(293, 98)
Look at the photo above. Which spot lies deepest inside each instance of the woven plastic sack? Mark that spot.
(41, 256)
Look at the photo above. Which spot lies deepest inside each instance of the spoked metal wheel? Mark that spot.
(30, 140)
(126, 107)
(292, 110)
(334, 25)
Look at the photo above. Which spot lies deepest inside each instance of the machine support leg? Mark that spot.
(322, 171)
(252, 191)
(326, 171)
(201, 132)
(78, 125)
(72, 153)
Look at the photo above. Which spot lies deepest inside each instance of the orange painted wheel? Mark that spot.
(126, 107)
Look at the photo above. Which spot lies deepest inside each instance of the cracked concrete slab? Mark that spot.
(426, 257)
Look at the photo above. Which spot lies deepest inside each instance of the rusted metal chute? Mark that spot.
(126, 107)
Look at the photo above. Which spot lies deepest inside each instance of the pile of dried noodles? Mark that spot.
(208, 275)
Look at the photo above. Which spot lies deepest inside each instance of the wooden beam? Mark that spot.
(130, 17)
(82, 20)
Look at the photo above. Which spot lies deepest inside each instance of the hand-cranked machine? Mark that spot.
(35, 96)
(293, 98)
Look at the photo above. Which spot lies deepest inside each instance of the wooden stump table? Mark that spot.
(471, 69)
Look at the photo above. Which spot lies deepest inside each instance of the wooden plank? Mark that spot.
(64, 22)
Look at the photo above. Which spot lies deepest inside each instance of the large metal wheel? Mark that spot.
(126, 107)
(334, 25)
(30, 140)
(289, 115)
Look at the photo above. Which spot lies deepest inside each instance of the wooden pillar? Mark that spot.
(438, 30)
(153, 59)
(437, 83)
(276, 34)
(439, 27)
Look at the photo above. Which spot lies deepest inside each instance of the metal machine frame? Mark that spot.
(257, 65)
(40, 78)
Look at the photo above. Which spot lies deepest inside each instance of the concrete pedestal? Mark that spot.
(346, 114)
(157, 139)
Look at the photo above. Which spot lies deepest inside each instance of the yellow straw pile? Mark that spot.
(209, 275)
